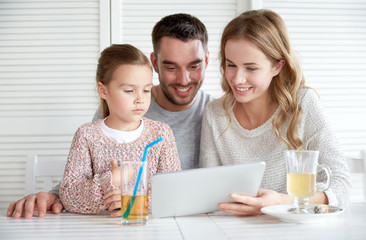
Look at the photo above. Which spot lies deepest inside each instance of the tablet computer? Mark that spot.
(200, 190)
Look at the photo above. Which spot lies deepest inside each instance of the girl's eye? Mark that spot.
(252, 69)
(128, 91)
(230, 65)
(147, 91)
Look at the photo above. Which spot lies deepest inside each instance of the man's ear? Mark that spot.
(102, 90)
(154, 61)
(207, 57)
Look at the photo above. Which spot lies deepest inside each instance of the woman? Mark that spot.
(267, 109)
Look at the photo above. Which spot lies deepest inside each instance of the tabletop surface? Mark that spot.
(349, 225)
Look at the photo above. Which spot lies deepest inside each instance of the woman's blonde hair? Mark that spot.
(113, 57)
(267, 31)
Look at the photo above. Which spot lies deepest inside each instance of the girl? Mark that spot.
(265, 110)
(124, 82)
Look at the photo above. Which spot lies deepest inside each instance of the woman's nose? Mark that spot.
(239, 77)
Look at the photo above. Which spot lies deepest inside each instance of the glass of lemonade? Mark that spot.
(302, 167)
(134, 207)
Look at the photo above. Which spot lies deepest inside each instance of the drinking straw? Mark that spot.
(130, 205)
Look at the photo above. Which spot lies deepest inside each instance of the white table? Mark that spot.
(349, 225)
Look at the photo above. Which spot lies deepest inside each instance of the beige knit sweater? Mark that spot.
(239, 145)
(88, 174)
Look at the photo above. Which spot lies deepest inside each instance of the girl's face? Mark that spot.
(128, 96)
(248, 71)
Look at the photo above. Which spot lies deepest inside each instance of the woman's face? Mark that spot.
(248, 71)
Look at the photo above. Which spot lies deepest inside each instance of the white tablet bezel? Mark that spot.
(200, 190)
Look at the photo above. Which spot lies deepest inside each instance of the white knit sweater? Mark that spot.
(239, 145)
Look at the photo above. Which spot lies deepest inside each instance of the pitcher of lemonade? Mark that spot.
(302, 168)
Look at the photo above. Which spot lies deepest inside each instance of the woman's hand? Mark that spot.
(246, 205)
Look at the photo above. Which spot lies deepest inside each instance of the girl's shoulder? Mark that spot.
(90, 128)
(154, 125)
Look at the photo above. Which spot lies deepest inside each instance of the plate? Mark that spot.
(281, 212)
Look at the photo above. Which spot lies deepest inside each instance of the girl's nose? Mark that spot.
(139, 99)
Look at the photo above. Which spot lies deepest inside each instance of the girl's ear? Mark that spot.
(102, 90)
(279, 66)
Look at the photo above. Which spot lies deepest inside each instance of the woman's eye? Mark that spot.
(230, 65)
(128, 91)
(252, 69)
(147, 91)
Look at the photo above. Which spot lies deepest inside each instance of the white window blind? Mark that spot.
(48, 55)
(49, 50)
(330, 37)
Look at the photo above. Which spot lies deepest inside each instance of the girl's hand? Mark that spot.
(113, 199)
(246, 205)
(116, 173)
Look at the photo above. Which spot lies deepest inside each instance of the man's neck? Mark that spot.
(165, 103)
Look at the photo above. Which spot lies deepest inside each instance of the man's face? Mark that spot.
(181, 68)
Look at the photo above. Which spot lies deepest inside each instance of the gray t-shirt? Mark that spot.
(186, 126)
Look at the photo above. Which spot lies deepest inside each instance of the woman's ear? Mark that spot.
(102, 90)
(279, 66)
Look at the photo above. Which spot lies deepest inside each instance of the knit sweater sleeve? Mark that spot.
(81, 190)
(169, 157)
(208, 152)
(319, 135)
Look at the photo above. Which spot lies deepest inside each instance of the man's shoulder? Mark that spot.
(203, 98)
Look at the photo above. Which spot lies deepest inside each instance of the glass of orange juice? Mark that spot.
(134, 196)
(302, 168)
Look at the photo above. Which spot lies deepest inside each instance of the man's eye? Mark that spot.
(170, 67)
(230, 65)
(195, 66)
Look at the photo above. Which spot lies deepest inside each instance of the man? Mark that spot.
(180, 58)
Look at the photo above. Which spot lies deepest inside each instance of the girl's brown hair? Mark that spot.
(267, 31)
(113, 57)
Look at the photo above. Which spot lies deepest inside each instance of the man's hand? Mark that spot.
(41, 201)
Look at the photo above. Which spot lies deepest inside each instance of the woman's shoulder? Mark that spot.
(215, 105)
(311, 106)
(308, 94)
